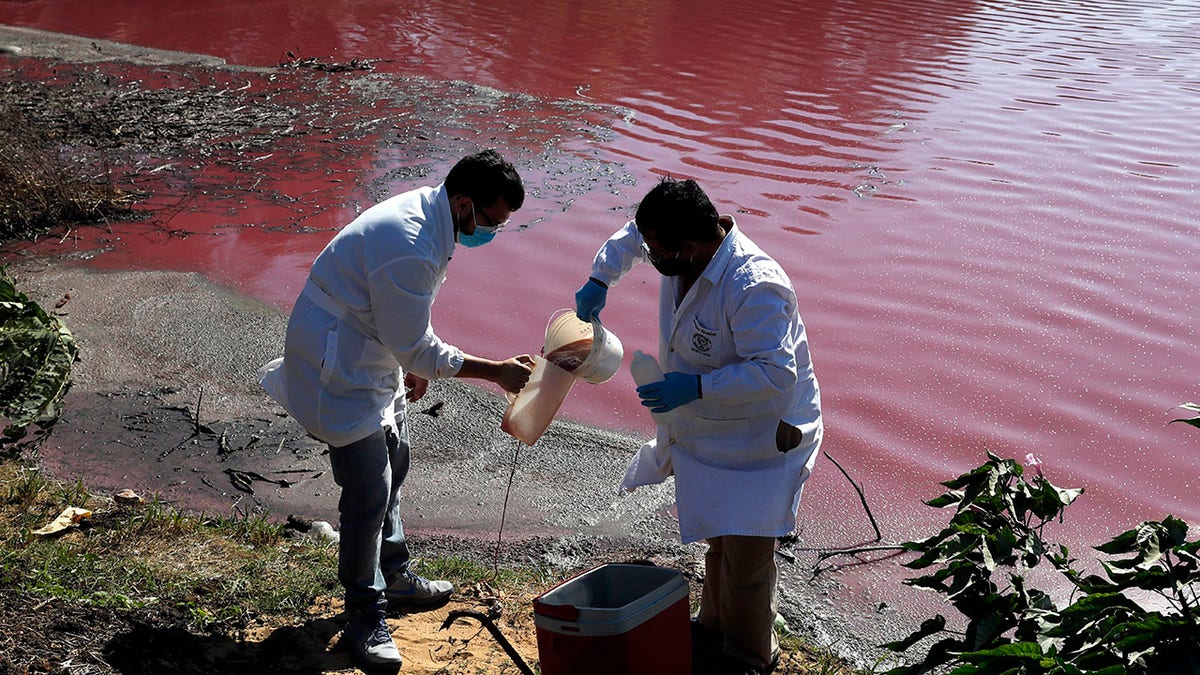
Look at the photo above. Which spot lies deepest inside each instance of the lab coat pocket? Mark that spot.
(787, 437)
(377, 362)
(736, 442)
(329, 357)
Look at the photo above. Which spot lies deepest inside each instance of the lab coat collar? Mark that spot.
(441, 200)
(713, 272)
(720, 260)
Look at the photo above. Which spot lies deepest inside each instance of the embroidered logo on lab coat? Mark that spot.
(702, 338)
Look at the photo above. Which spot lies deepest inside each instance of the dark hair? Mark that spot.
(485, 177)
(676, 211)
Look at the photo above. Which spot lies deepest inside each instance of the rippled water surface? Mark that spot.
(988, 209)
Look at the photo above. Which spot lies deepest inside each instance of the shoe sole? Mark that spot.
(365, 662)
(369, 665)
(406, 602)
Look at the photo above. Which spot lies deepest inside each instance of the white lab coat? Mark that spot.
(363, 319)
(739, 328)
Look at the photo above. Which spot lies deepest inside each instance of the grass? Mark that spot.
(220, 575)
(220, 572)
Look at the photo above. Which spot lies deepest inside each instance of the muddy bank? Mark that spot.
(166, 395)
(166, 400)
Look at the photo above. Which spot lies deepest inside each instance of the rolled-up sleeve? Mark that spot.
(618, 254)
(402, 295)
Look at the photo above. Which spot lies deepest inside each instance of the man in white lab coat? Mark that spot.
(747, 422)
(361, 327)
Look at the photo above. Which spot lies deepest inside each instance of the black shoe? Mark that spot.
(706, 650)
(703, 633)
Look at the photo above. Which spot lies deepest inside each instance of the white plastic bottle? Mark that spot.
(645, 370)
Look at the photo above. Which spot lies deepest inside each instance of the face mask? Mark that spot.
(668, 267)
(672, 267)
(482, 234)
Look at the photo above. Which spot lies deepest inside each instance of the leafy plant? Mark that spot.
(36, 354)
(980, 563)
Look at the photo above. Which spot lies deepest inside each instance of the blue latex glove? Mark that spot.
(668, 394)
(589, 300)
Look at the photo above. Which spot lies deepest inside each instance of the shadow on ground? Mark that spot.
(152, 649)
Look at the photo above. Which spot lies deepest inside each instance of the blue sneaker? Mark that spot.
(409, 589)
(371, 641)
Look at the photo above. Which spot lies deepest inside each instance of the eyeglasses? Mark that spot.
(654, 259)
(492, 223)
(488, 222)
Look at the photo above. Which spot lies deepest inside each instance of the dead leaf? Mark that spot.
(70, 516)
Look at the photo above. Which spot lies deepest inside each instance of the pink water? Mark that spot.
(988, 210)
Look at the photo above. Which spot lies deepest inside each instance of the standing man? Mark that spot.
(748, 422)
(360, 327)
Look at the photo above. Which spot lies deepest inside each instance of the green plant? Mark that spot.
(36, 354)
(25, 487)
(980, 563)
(252, 529)
(73, 494)
(219, 572)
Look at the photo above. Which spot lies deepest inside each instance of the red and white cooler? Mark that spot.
(617, 618)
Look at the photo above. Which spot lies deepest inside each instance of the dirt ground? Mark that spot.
(57, 637)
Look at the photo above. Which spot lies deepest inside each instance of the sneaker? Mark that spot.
(408, 589)
(371, 641)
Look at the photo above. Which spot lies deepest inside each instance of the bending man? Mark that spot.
(359, 329)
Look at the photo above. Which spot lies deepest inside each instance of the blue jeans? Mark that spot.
(372, 550)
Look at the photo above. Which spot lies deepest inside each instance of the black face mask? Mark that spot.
(672, 267)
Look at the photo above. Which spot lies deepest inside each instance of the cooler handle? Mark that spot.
(563, 612)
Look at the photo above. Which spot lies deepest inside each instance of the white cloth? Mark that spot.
(739, 328)
(363, 319)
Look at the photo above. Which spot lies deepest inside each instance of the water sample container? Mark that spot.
(645, 369)
(586, 349)
(616, 618)
(530, 412)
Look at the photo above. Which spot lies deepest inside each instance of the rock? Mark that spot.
(322, 530)
(128, 497)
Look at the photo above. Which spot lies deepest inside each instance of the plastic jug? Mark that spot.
(645, 369)
(574, 350)
(529, 413)
(586, 349)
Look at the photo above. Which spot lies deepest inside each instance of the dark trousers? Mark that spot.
(372, 550)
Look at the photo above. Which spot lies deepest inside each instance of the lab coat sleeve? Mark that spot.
(618, 255)
(767, 333)
(402, 294)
